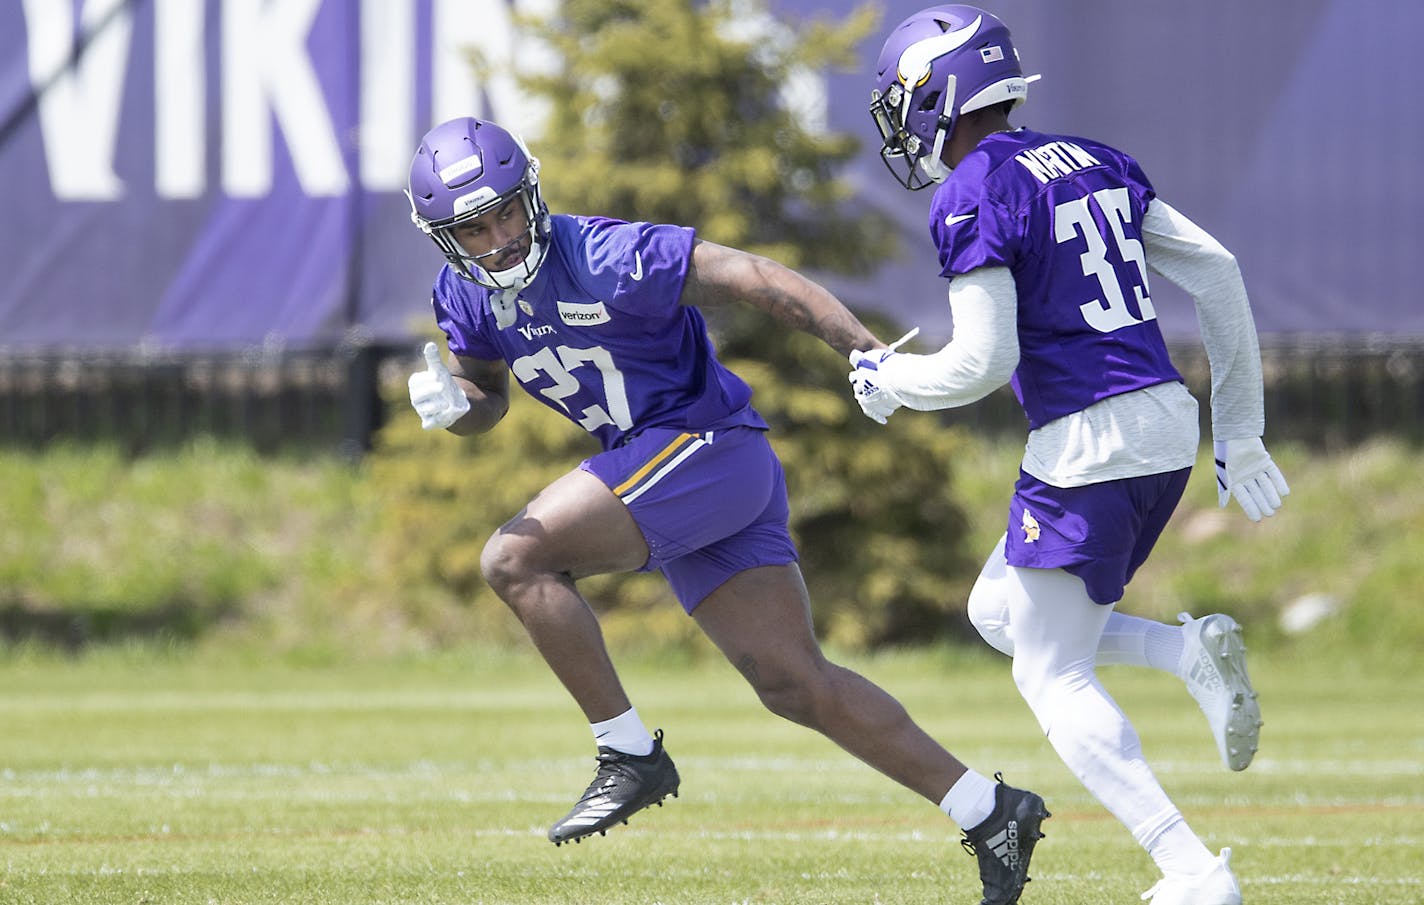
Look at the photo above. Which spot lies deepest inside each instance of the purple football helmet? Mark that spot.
(937, 64)
(466, 167)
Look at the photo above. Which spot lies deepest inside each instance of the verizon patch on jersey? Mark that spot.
(582, 315)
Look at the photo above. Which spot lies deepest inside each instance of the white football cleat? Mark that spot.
(1213, 665)
(1217, 886)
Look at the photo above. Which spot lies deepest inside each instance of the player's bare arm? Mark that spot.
(486, 385)
(720, 275)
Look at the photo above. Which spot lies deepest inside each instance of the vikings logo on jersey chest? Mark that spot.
(529, 331)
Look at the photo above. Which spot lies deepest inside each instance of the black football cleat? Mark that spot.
(1004, 842)
(623, 786)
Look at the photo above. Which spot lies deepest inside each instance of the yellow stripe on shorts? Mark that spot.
(679, 442)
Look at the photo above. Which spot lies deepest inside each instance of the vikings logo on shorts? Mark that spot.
(1030, 527)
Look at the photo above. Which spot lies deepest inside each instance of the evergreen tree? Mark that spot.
(695, 113)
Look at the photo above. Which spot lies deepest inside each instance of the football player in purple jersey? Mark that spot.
(1046, 241)
(599, 320)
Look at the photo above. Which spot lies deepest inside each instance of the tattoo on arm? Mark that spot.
(721, 275)
(803, 305)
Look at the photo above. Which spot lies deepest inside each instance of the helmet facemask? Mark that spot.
(479, 203)
(905, 155)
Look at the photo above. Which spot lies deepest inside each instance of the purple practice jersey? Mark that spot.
(1065, 216)
(601, 336)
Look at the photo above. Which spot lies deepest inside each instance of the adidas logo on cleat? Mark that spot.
(1005, 845)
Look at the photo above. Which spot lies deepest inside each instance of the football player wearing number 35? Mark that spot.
(599, 319)
(1047, 241)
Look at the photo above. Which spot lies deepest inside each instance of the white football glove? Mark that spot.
(1245, 470)
(876, 401)
(433, 392)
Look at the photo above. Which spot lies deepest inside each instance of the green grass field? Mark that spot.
(150, 780)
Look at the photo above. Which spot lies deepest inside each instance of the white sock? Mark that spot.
(970, 801)
(1164, 648)
(1134, 641)
(624, 732)
(1179, 853)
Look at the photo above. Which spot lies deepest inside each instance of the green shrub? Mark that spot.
(214, 543)
(96, 546)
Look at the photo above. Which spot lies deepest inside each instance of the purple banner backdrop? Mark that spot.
(226, 174)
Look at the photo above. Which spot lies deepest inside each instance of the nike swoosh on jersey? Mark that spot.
(913, 66)
(957, 218)
(637, 273)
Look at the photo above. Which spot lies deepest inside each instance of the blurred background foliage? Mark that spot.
(688, 112)
(671, 112)
(311, 559)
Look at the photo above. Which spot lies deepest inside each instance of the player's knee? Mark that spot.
(790, 703)
(503, 563)
(786, 694)
(989, 612)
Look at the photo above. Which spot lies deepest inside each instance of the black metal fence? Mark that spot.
(1326, 393)
(323, 401)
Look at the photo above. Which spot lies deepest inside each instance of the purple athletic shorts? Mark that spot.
(709, 505)
(1101, 533)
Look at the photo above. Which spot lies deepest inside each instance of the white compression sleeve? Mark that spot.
(1188, 256)
(980, 357)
